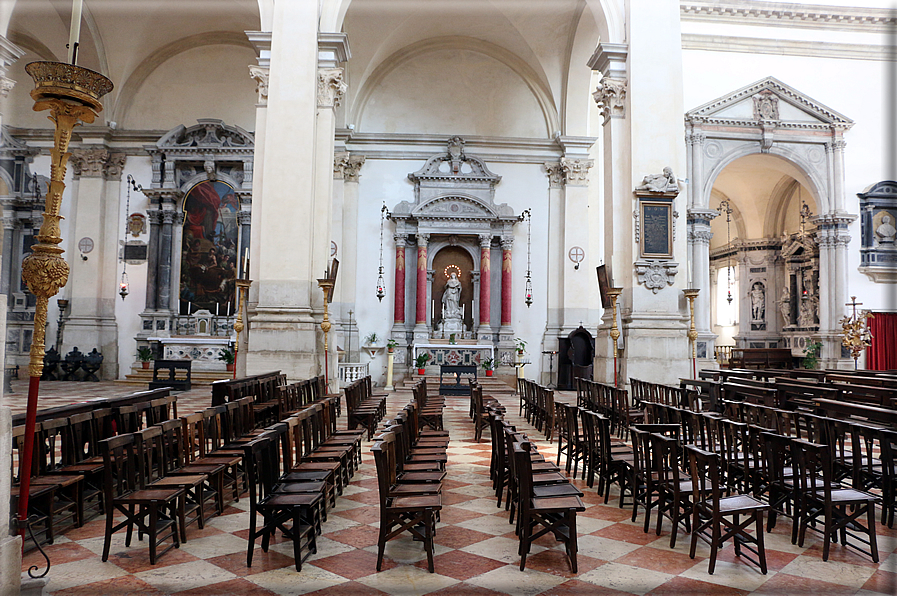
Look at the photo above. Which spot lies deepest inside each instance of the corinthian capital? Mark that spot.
(331, 87)
(259, 74)
(89, 163)
(114, 166)
(610, 95)
(576, 171)
(353, 167)
(340, 161)
(555, 174)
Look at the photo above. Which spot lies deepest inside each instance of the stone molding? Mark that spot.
(780, 47)
(555, 174)
(700, 237)
(244, 218)
(331, 87)
(485, 240)
(168, 217)
(576, 171)
(259, 74)
(507, 242)
(400, 240)
(807, 16)
(154, 216)
(656, 275)
(610, 95)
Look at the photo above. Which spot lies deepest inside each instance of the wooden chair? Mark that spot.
(711, 512)
(416, 514)
(840, 509)
(154, 511)
(555, 514)
(175, 460)
(674, 486)
(278, 509)
(888, 439)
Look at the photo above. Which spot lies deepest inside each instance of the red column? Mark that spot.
(421, 279)
(485, 295)
(506, 282)
(400, 281)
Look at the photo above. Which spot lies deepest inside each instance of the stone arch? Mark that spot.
(535, 81)
(131, 86)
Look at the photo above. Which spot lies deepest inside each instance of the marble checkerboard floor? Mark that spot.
(476, 549)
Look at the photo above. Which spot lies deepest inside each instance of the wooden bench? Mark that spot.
(172, 366)
(456, 372)
(838, 409)
(761, 358)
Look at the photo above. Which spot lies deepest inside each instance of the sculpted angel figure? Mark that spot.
(665, 182)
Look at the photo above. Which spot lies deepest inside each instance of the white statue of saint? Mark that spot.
(785, 305)
(758, 302)
(451, 297)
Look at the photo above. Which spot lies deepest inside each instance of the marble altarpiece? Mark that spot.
(453, 248)
(199, 219)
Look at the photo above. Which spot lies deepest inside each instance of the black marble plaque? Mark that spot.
(657, 240)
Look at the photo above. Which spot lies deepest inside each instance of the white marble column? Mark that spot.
(346, 172)
(260, 73)
(555, 255)
(93, 282)
(283, 330)
(579, 281)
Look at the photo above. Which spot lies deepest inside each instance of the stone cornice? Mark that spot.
(786, 47)
(780, 14)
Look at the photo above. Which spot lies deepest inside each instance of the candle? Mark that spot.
(189, 305)
(217, 304)
(74, 29)
(227, 310)
(246, 264)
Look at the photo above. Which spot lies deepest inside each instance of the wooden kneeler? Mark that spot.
(416, 514)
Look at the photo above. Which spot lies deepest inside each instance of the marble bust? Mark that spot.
(886, 232)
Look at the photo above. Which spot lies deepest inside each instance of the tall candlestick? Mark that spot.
(74, 30)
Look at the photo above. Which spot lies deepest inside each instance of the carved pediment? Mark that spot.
(207, 134)
(798, 245)
(454, 207)
(768, 101)
(884, 189)
(10, 145)
(455, 166)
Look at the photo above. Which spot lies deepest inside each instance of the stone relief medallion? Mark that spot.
(136, 224)
(815, 155)
(713, 149)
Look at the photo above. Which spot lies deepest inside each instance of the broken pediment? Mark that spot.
(208, 133)
(769, 101)
(454, 207)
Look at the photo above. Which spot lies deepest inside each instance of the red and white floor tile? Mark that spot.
(476, 552)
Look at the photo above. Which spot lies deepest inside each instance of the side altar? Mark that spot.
(463, 354)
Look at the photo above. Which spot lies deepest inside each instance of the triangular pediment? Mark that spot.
(768, 100)
(798, 245)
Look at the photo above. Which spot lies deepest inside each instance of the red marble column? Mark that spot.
(506, 282)
(400, 281)
(485, 294)
(421, 318)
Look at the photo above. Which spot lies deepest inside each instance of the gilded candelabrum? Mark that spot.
(613, 294)
(692, 334)
(72, 95)
(242, 289)
(855, 330)
(326, 285)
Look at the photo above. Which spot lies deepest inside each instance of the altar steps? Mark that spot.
(141, 376)
(500, 385)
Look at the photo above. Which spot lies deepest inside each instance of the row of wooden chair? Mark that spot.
(295, 396)
(537, 405)
(541, 497)
(610, 401)
(410, 465)
(363, 406)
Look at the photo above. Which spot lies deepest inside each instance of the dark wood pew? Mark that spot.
(761, 358)
(94, 404)
(874, 414)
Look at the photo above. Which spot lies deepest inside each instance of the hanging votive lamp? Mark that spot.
(381, 285)
(529, 281)
(529, 291)
(123, 286)
(381, 289)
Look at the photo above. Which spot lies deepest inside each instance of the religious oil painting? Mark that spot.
(209, 249)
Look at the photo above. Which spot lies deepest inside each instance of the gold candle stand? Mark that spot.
(691, 294)
(614, 294)
(242, 289)
(326, 285)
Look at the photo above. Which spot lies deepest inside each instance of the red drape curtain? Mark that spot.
(882, 354)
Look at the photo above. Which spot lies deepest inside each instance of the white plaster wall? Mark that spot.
(16, 107)
(855, 88)
(453, 92)
(204, 82)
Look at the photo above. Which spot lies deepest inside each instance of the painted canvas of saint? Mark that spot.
(209, 248)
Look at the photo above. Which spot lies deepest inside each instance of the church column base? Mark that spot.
(87, 333)
(656, 349)
(285, 340)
